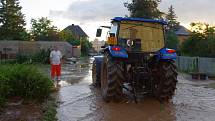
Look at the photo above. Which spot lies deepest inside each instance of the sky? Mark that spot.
(90, 14)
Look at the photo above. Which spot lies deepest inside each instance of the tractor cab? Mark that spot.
(136, 34)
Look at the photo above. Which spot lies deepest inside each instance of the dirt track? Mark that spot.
(78, 101)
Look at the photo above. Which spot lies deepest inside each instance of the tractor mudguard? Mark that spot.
(166, 54)
(117, 52)
(98, 61)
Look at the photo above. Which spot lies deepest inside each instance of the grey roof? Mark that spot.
(183, 31)
(76, 30)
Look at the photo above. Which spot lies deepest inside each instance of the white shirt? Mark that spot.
(55, 57)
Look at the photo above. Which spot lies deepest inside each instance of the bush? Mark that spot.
(26, 81)
(41, 57)
(5, 89)
(85, 46)
(22, 59)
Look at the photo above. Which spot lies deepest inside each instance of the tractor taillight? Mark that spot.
(116, 48)
(171, 51)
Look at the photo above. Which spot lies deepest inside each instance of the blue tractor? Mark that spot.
(135, 59)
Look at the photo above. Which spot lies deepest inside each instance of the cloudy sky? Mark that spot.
(90, 14)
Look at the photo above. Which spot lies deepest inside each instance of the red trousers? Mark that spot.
(55, 71)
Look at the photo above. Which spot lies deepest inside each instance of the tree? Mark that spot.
(25, 36)
(172, 40)
(42, 29)
(66, 35)
(85, 46)
(201, 42)
(173, 24)
(144, 9)
(11, 20)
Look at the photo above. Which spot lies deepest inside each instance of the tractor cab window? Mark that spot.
(114, 28)
(141, 36)
(111, 36)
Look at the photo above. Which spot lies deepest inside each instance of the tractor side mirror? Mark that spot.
(103, 46)
(99, 33)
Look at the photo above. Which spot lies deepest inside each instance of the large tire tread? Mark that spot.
(166, 80)
(95, 75)
(114, 82)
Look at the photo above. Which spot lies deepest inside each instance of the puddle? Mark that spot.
(80, 101)
(22, 112)
(194, 103)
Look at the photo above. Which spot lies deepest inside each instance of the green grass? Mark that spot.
(50, 108)
(44, 69)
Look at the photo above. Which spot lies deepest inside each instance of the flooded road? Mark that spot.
(79, 101)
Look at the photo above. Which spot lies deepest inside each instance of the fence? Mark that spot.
(196, 64)
(10, 49)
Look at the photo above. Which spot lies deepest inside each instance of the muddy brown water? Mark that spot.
(79, 101)
(27, 111)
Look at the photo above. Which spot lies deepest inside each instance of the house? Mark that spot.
(77, 31)
(78, 34)
(98, 44)
(183, 34)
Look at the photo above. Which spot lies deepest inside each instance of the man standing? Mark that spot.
(55, 59)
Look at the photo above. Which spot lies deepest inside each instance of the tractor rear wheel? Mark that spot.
(165, 80)
(111, 79)
(95, 76)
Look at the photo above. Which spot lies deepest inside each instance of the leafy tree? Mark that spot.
(171, 17)
(66, 35)
(42, 29)
(85, 46)
(144, 8)
(172, 40)
(201, 42)
(11, 20)
(75, 42)
(25, 36)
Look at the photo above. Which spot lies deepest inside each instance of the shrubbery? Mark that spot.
(201, 42)
(4, 89)
(40, 57)
(23, 80)
(22, 59)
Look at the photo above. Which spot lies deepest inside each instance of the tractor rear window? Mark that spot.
(147, 37)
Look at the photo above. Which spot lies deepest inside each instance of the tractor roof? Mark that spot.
(140, 19)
